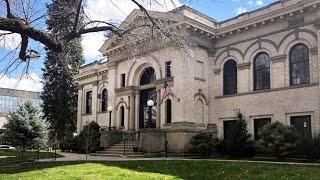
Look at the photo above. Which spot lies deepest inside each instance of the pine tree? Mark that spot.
(60, 90)
(26, 126)
(240, 143)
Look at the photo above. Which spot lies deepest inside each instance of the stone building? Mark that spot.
(264, 62)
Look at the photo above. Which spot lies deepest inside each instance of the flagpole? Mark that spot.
(178, 99)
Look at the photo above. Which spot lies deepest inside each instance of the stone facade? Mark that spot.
(197, 69)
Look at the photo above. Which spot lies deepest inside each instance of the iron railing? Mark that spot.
(38, 153)
(112, 138)
(131, 141)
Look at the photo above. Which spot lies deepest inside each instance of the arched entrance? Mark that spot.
(148, 92)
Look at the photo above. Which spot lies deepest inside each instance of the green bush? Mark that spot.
(240, 143)
(71, 143)
(89, 138)
(280, 139)
(309, 147)
(202, 143)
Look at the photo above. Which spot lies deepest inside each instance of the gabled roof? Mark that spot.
(178, 14)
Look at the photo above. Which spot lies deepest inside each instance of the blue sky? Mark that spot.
(225, 9)
(96, 9)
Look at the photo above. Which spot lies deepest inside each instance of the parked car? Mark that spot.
(7, 148)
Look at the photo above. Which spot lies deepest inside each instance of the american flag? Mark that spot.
(166, 90)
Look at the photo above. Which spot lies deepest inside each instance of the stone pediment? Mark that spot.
(138, 27)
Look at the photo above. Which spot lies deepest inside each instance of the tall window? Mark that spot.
(104, 100)
(148, 76)
(123, 80)
(168, 69)
(299, 65)
(122, 116)
(261, 72)
(89, 102)
(230, 77)
(168, 111)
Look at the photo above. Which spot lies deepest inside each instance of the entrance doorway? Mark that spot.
(148, 77)
(145, 96)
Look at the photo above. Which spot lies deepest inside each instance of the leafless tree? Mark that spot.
(22, 18)
(11, 23)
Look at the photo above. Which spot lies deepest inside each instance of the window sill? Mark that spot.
(269, 90)
(103, 112)
(88, 114)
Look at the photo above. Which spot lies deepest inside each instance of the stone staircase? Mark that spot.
(116, 150)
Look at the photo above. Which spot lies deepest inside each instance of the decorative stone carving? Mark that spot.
(314, 51)
(217, 71)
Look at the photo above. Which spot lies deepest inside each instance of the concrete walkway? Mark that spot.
(82, 157)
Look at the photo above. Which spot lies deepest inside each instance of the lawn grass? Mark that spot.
(161, 170)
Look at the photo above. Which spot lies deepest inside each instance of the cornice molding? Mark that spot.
(243, 66)
(279, 58)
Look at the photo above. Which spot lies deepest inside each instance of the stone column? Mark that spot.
(80, 104)
(158, 121)
(317, 25)
(218, 84)
(95, 106)
(277, 74)
(132, 112)
(137, 101)
(243, 77)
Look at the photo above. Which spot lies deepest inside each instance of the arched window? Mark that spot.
(104, 100)
(199, 111)
(168, 111)
(121, 116)
(148, 76)
(299, 65)
(230, 77)
(261, 72)
(89, 102)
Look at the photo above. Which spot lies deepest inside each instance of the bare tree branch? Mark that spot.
(21, 26)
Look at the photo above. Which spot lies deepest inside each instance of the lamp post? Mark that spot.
(110, 111)
(150, 103)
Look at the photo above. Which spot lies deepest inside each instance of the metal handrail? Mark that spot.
(113, 132)
(110, 135)
(126, 139)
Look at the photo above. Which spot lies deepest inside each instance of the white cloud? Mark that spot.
(32, 83)
(241, 10)
(115, 11)
(259, 3)
(250, 2)
(10, 41)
